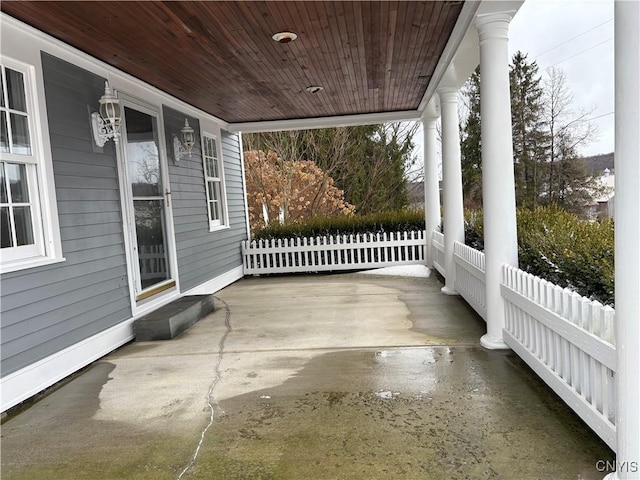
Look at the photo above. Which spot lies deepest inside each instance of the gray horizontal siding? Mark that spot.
(48, 339)
(60, 307)
(47, 309)
(203, 255)
(94, 218)
(66, 204)
(51, 291)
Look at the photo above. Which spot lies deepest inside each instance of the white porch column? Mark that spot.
(498, 185)
(627, 233)
(431, 186)
(452, 183)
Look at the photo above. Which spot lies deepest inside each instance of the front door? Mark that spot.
(148, 202)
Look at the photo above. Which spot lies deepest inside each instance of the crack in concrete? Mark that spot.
(216, 379)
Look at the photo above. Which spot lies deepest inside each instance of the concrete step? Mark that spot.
(171, 320)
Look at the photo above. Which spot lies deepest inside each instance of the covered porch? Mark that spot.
(369, 75)
(325, 376)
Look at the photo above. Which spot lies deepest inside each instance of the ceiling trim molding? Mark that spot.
(325, 122)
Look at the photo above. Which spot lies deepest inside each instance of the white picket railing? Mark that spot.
(333, 253)
(470, 277)
(152, 260)
(437, 245)
(568, 341)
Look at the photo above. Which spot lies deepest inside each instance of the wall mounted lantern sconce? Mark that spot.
(183, 145)
(105, 124)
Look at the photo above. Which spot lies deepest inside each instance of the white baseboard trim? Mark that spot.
(217, 283)
(29, 381)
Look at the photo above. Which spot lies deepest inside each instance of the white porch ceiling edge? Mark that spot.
(325, 122)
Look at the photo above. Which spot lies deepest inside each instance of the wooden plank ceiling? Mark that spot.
(219, 56)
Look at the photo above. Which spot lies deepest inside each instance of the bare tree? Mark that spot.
(372, 163)
(568, 184)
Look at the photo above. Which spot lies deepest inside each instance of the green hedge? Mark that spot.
(559, 247)
(320, 226)
(552, 244)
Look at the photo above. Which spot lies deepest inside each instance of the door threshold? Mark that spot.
(155, 290)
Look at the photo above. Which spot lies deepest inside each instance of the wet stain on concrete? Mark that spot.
(81, 392)
(443, 319)
(58, 437)
(300, 410)
(440, 425)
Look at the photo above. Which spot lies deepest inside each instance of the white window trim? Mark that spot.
(224, 213)
(45, 210)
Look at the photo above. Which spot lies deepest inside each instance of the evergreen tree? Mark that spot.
(471, 144)
(529, 137)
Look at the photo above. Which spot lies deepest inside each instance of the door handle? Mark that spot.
(166, 196)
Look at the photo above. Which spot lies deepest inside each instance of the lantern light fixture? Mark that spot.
(105, 124)
(183, 145)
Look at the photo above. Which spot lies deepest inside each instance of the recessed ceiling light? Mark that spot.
(284, 37)
(314, 89)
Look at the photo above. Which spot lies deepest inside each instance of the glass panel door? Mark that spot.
(148, 209)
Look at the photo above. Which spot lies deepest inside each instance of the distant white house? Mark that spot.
(602, 205)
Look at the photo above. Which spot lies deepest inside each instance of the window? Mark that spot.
(15, 206)
(214, 180)
(22, 235)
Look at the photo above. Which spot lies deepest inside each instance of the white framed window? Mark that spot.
(214, 182)
(22, 188)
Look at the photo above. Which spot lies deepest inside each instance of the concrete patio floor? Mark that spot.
(320, 377)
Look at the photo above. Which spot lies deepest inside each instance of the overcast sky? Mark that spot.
(577, 37)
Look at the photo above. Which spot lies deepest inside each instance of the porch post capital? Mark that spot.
(493, 26)
(448, 95)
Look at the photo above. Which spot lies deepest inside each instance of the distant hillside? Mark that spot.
(597, 163)
(594, 164)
